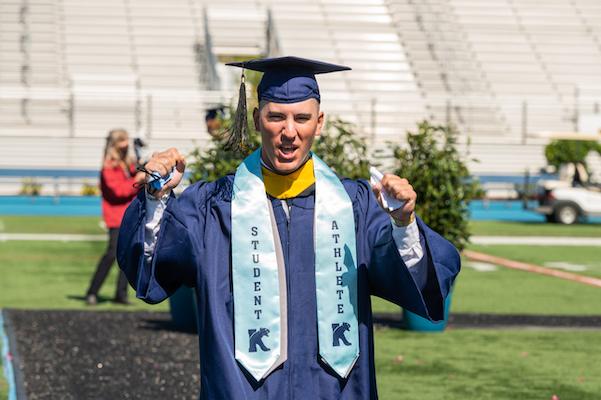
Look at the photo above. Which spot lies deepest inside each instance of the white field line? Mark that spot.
(504, 262)
(566, 266)
(481, 266)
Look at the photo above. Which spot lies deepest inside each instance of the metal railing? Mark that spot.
(526, 116)
(70, 109)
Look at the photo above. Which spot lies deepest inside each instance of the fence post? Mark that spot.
(55, 198)
(526, 192)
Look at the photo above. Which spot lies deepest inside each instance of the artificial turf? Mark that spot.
(479, 364)
(457, 364)
(510, 228)
(588, 257)
(506, 291)
(56, 275)
(51, 224)
(91, 225)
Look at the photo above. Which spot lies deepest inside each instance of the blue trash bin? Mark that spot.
(182, 305)
(414, 322)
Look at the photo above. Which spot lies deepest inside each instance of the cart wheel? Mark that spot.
(566, 214)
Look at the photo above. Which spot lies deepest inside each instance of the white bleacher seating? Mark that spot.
(362, 35)
(138, 64)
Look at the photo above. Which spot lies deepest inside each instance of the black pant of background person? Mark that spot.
(102, 270)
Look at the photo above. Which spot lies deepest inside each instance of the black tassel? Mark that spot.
(238, 133)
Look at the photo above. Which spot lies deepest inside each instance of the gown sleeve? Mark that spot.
(174, 262)
(420, 289)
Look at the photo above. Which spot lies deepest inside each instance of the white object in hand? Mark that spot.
(388, 202)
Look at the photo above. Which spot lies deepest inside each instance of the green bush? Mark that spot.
(343, 149)
(30, 187)
(213, 162)
(439, 176)
(89, 189)
(560, 152)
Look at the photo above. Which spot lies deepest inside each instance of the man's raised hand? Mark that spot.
(400, 189)
(163, 163)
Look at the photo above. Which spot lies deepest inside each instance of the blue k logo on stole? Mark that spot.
(255, 338)
(259, 281)
(338, 334)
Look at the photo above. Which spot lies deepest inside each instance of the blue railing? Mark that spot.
(90, 206)
(48, 173)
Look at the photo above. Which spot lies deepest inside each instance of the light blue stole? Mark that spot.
(258, 273)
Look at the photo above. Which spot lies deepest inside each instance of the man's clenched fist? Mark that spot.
(400, 189)
(163, 162)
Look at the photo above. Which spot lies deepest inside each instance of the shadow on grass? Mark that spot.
(99, 299)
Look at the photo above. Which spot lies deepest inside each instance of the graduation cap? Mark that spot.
(285, 80)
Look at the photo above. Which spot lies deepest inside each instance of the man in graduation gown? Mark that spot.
(281, 317)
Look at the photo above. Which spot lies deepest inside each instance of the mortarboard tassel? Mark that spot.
(238, 133)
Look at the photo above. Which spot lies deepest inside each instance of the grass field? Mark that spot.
(506, 228)
(46, 224)
(89, 225)
(55, 275)
(457, 364)
(506, 291)
(482, 365)
(586, 257)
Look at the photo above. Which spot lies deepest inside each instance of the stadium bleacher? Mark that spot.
(500, 70)
(360, 34)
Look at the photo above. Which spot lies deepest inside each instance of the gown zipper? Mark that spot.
(288, 212)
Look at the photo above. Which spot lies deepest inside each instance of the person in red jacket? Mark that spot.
(118, 180)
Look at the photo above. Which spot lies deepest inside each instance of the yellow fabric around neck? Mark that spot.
(291, 185)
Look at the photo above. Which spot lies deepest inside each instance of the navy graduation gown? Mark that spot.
(193, 248)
